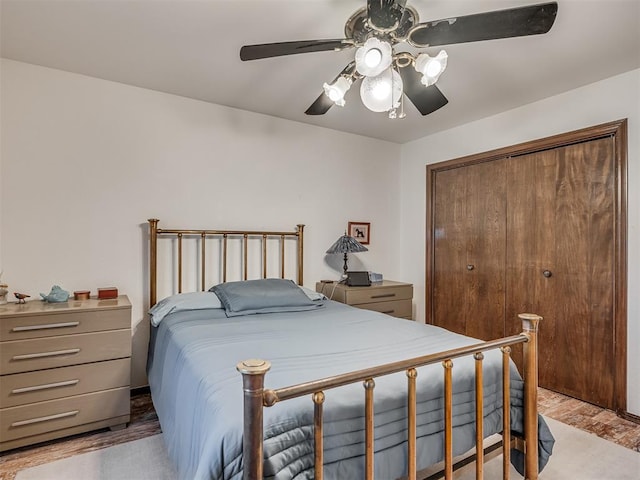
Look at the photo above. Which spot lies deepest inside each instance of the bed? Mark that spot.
(351, 393)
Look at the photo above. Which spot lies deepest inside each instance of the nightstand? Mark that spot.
(64, 369)
(393, 298)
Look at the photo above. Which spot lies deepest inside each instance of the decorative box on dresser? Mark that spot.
(64, 369)
(393, 298)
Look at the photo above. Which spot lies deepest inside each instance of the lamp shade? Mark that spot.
(383, 92)
(337, 90)
(431, 67)
(373, 57)
(347, 244)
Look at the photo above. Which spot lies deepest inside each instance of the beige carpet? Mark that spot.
(577, 455)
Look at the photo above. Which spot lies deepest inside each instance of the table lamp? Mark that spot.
(346, 244)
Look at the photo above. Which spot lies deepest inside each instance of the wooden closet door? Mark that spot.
(469, 242)
(560, 263)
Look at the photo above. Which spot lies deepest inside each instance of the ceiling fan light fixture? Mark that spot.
(373, 57)
(382, 92)
(337, 90)
(431, 67)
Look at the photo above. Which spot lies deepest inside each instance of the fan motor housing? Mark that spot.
(359, 29)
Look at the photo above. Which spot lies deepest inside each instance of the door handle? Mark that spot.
(547, 273)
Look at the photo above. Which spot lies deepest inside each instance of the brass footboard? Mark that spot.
(256, 397)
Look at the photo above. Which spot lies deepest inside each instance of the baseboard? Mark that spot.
(140, 390)
(631, 417)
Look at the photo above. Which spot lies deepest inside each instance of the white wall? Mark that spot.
(612, 99)
(85, 163)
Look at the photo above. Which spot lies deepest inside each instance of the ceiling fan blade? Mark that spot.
(320, 106)
(513, 22)
(268, 50)
(324, 103)
(426, 99)
(384, 14)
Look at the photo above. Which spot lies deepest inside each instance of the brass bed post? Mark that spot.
(411, 373)
(506, 413)
(300, 230)
(153, 260)
(318, 400)
(224, 257)
(369, 431)
(253, 372)
(204, 264)
(264, 255)
(479, 357)
(179, 263)
(448, 419)
(530, 329)
(281, 256)
(245, 255)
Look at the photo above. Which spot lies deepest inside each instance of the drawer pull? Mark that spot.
(384, 295)
(34, 388)
(388, 312)
(31, 421)
(30, 356)
(28, 328)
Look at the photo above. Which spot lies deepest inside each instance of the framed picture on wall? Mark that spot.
(361, 231)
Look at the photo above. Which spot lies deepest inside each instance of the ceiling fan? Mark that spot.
(387, 76)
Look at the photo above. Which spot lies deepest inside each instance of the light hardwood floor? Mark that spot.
(144, 423)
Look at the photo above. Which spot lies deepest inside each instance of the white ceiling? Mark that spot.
(191, 48)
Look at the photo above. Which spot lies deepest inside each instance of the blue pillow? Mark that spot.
(183, 301)
(269, 295)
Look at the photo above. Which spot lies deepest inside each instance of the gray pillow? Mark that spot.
(183, 301)
(269, 295)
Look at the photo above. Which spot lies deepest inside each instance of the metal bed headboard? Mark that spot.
(242, 235)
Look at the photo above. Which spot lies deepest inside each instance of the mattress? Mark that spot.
(198, 396)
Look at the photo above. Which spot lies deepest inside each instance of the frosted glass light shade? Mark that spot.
(431, 67)
(337, 90)
(382, 92)
(373, 57)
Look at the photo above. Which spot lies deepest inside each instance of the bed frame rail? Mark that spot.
(256, 397)
(225, 235)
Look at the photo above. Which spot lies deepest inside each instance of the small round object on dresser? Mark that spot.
(81, 294)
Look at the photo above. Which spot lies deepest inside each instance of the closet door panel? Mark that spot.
(486, 237)
(469, 244)
(585, 255)
(560, 263)
(450, 287)
(531, 233)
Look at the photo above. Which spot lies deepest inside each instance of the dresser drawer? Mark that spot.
(395, 308)
(40, 353)
(64, 322)
(41, 385)
(356, 296)
(36, 418)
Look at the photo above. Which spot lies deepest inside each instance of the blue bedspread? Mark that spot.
(197, 391)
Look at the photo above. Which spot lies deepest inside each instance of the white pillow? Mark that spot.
(183, 301)
(313, 295)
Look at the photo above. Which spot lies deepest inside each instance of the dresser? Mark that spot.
(392, 298)
(64, 369)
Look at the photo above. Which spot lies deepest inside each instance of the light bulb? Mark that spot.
(382, 88)
(373, 57)
(382, 92)
(431, 67)
(337, 90)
